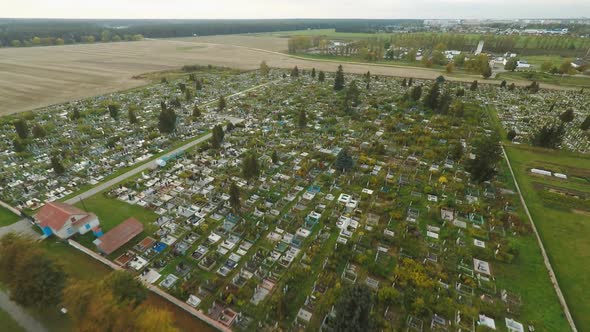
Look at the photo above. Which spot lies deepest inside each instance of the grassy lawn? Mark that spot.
(9, 324)
(564, 233)
(571, 81)
(7, 217)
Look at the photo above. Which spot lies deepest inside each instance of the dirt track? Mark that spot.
(39, 76)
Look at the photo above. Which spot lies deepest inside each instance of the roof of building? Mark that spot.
(118, 236)
(56, 214)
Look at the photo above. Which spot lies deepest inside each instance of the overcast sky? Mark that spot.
(295, 8)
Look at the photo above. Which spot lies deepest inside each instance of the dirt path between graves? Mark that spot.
(552, 276)
(17, 313)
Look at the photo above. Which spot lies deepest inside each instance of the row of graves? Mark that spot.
(404, 221)
(96, 142)
(526, 113)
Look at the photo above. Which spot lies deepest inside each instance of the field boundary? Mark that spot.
(197, 313)
(552, 275)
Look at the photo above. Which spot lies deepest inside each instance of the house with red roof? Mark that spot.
(64, 220)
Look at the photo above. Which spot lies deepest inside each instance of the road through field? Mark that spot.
(34, 77)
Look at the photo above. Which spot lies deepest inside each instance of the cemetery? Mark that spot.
(313, 192)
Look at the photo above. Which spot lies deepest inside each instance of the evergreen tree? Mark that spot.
(486, 72)
(75, 114)
(188, 95)
(196, 112)
(321, 76)
(343, 161)
(404, 82)
(503, 84)
(182, 87)
(411, 82)
(264, 68)
(440, 79)
(549, 136)
(38, 131)
(217, 136)
(275, 157)
(198, 84)
(431, 98)
(167, 121)
(444, 103)
(22, 128)
(511, 87)
(353, 310)
(19, 145)
(295, 72)
(567, 116)
(416, 93)
(221, 104)
(460, 92)
(250, 167)
(114, 111)
(57, 166)
(230, 126)
(511, 64)
(511, 134)
(534, 87)
(473, 86)
(488, 153)
(586, 124)
(339, 79)
(131, 115)
(302, 120)
(352, 94)
(234, 197)
(313, 72)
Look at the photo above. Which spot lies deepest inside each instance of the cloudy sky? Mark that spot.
(295, 8)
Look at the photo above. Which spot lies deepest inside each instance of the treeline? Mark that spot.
(23, 32)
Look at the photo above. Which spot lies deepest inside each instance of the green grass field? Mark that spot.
(8, 323)
(564, 232)
(7, 217)
(569, 81)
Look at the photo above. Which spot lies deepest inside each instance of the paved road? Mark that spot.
(23, 226)
(25, 320)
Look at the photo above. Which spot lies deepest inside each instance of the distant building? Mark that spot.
(64, 220)
(118, 236)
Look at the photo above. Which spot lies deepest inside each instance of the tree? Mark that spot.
(234, 197)
(444, 102)
(411, 81)
(352, 94)
(416, 93)
(188, 95)
(353, 310)
(250, 167)
(131, 115)
(38, 131)
(511, 134)
(125, 287)
(450, 67)
(57, 166)
(22, 128)
(511, 64)
(221, 104)
(586, 123)
(431, 98)
(167, 120)
(567, 116)
(511, 87)
(460, 92)
(459, 60)
(196, 112)
(503, 84)
(155, 320)
(217, 136)
(343, 161)
(404, 82)
(546, 66)
(566, 67)
(457, 109)
(264, 68)
(486, 71)
(302, 120)
(488, 153)
(295, 72)
(230, 126)
(113, 111)
(549, 136)
(275, 157)
(321, 76)
(313, 72)
(456, 152)
(19, 145)
(75, 114)
(474, 85)
(198, 85)
(339, 79)
(533, 87)
(32, 277)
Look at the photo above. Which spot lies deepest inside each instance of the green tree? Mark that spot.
(503, 84)
(352, 94)
(125, 287)
(217, 136)
(456, 151)
(321, 76)
(459, 60)
(234, 197)
(221, 104)
(38, 131)
(19, 145)
(511, 134)
(198, 85)
(295, 72)
(113, 111)
(416, 93)
(549, 136)
(486, 71)
(511, 64)
(302, 119)
(343, 160)
(313, 72)
(22, 128)
(567, 116)
(431, 98)
(196, 112)
(353, 310)
(339, 79)
(56, 164)
(250, 167)
(131, 115)
(275, 157)
(586, 123)
(450, 67)
(264, 68)
(473, 86)
(167, 120)
(488, 153)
